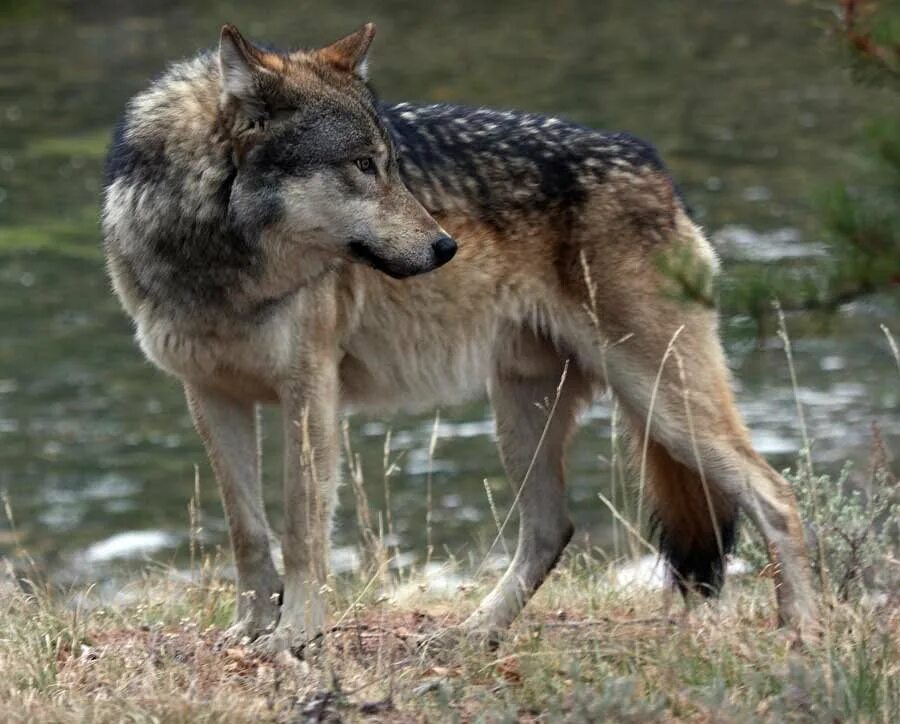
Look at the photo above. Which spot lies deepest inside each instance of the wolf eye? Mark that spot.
(366, 165)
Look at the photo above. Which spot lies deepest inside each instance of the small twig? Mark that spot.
(649, 422)
(608, 621)
(362, 593)
(496, 515)
(788, 351)
(432, 446)
(892, 343)
(534, 457)
(631, 529)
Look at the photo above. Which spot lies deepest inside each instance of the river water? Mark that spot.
(747, 102)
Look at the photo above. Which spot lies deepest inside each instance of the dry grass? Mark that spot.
(583, 651)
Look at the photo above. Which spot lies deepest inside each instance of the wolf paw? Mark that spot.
(805, 631)
(249, 629)
(255, 617)
(800, 618)
(443, 644)
(285, 640)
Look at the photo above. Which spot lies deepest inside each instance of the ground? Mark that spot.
(585, 650)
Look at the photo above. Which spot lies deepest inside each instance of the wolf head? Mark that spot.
(314, 162)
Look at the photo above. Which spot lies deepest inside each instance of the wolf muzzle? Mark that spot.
(443, 249)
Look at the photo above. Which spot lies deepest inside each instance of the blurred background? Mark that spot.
(751, 104)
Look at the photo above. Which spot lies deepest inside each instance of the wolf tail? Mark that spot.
(696, 524)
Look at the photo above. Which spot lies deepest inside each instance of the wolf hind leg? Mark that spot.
(229, 429)
(524, 386)
(698, 463)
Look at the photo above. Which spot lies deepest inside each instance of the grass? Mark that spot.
(584, 650)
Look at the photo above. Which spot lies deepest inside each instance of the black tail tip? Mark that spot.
(697, 566)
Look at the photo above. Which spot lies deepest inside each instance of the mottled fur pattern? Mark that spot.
(269, 225)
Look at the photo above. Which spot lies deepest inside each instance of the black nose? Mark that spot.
(444, 248)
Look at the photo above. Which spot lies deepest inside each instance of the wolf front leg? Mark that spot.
(229, 429)
(310, 411)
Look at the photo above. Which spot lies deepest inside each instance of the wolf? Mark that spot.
(279, 235)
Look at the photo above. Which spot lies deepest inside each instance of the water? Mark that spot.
(750, 110)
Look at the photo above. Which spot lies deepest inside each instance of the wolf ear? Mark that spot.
(239, 66)
(350, 53)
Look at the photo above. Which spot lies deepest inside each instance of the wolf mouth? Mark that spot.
(363, 253)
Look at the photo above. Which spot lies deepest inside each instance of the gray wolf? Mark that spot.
(279, 235)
